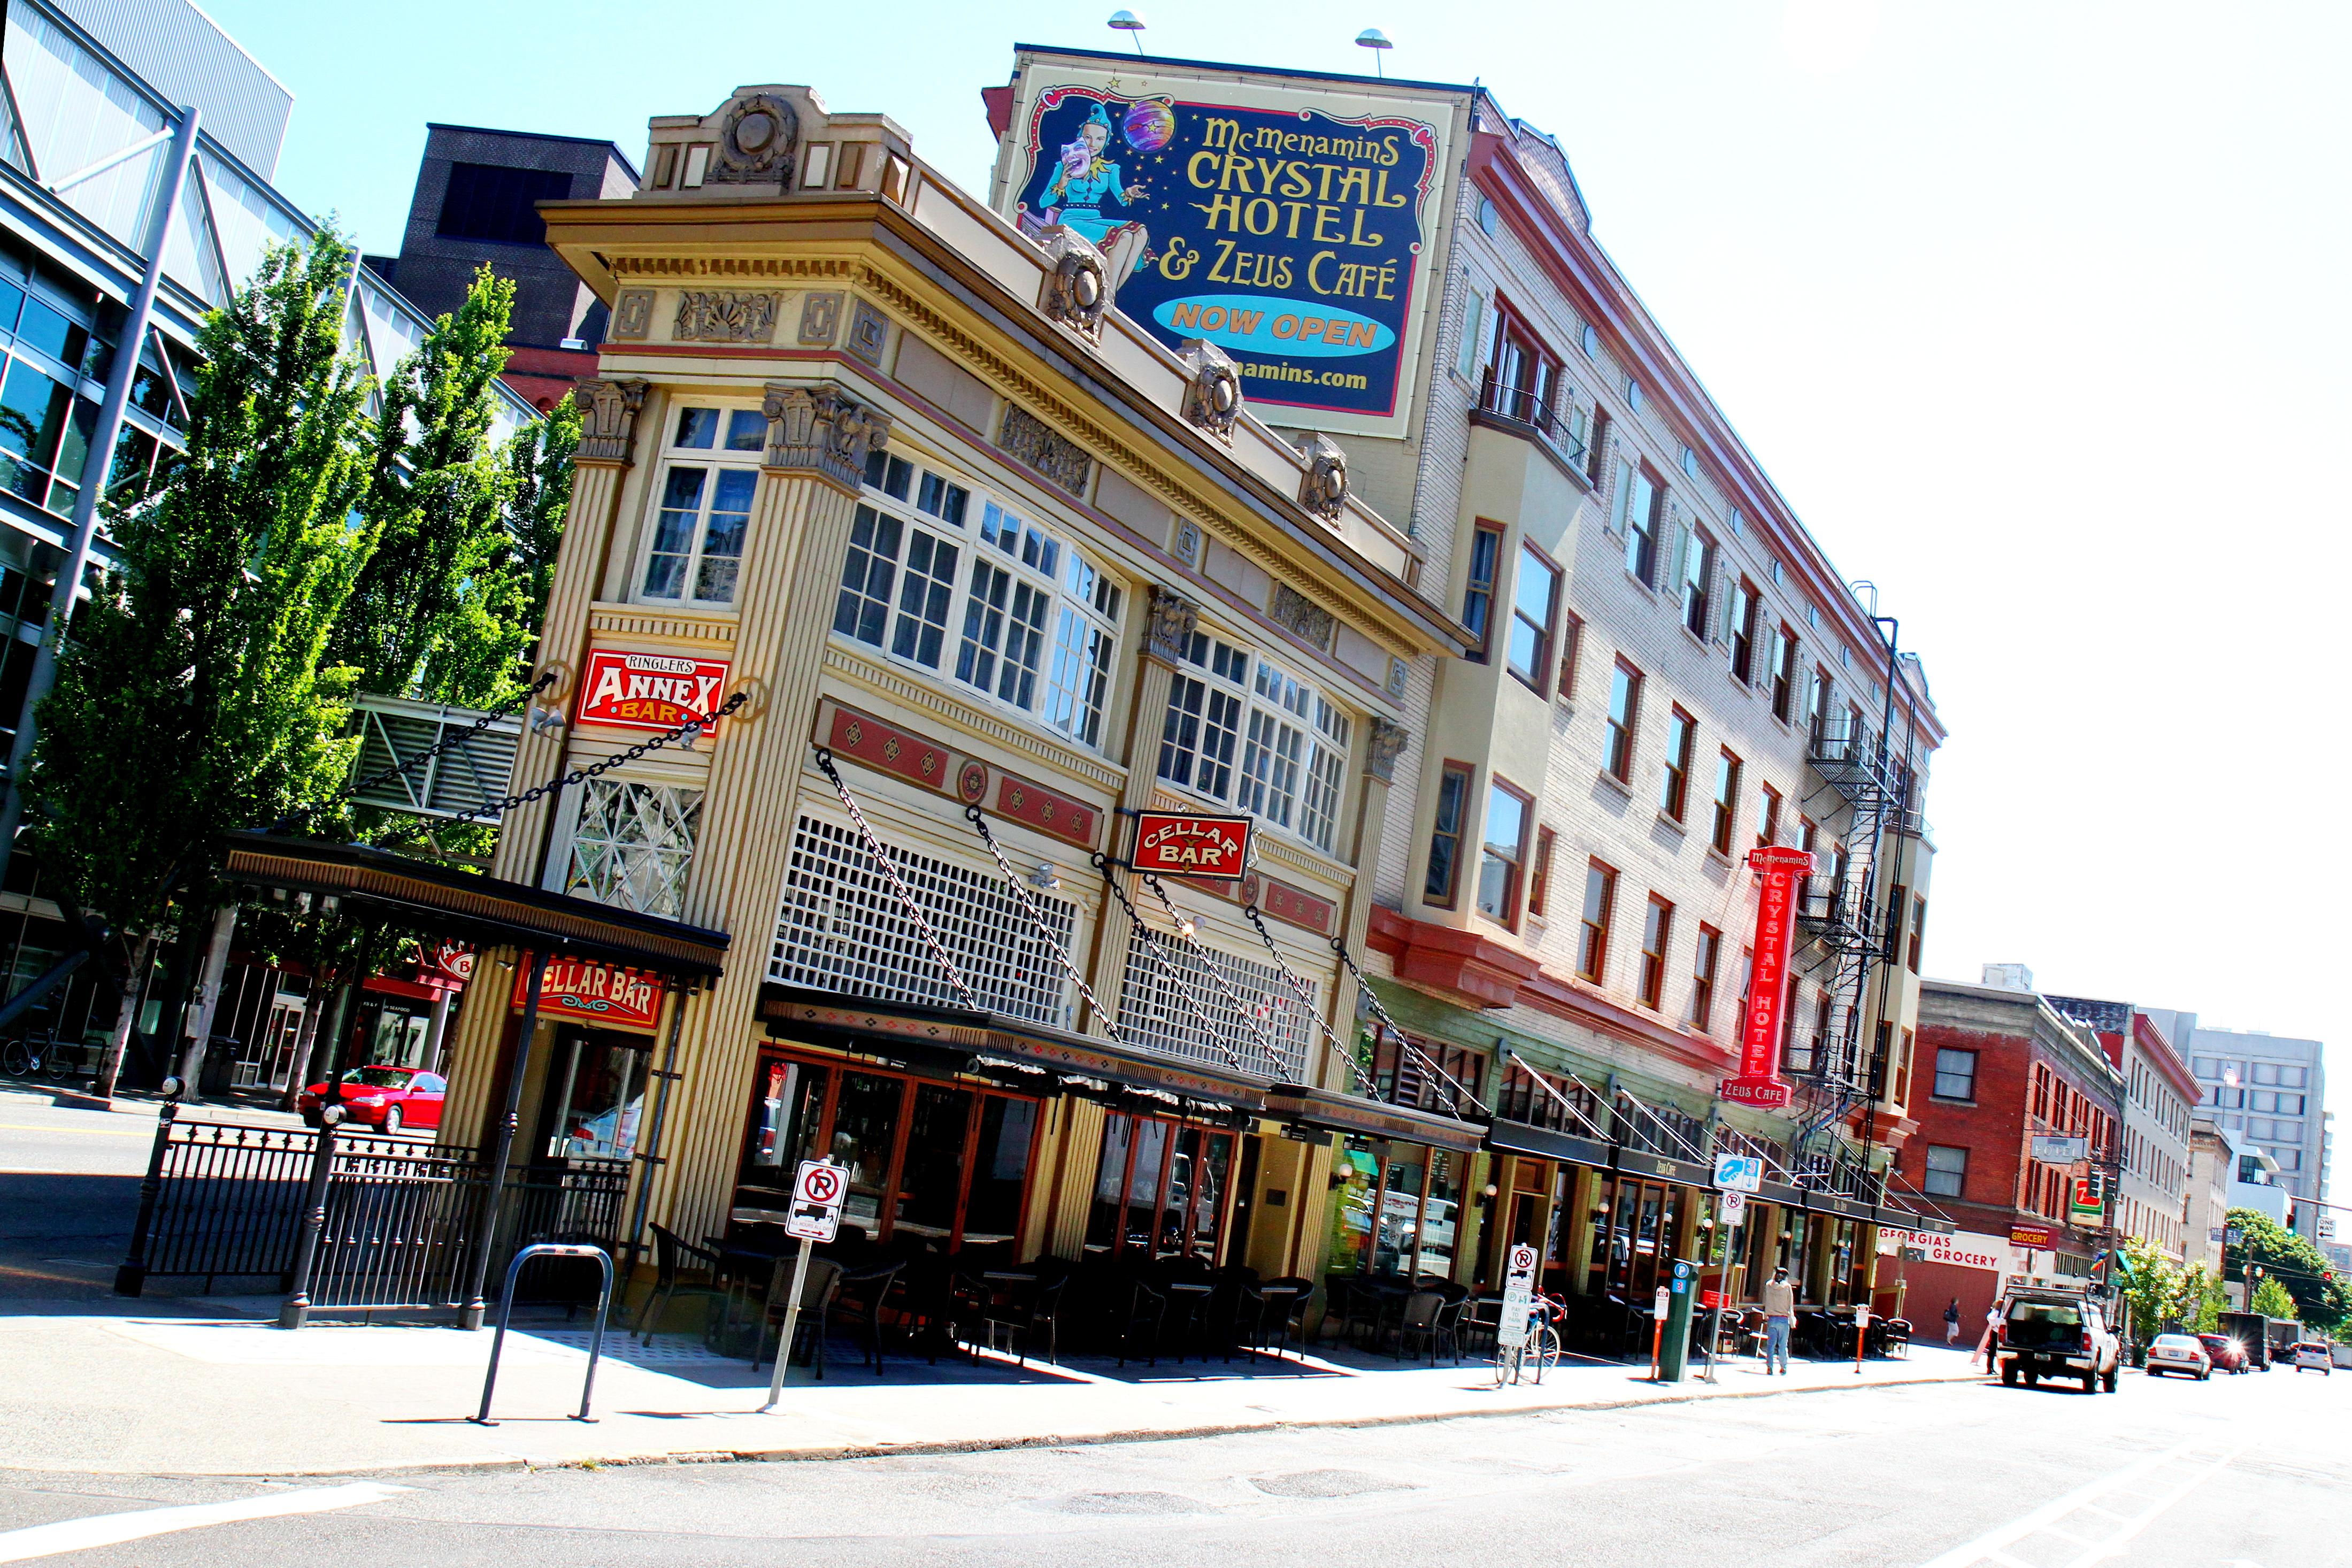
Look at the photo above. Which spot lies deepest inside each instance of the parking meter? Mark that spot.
(1682, 1294)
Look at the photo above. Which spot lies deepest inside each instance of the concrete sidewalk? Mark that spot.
(145, 1392)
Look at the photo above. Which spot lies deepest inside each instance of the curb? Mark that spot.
(813, 1453)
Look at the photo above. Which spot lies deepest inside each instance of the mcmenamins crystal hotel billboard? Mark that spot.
(1289, 220)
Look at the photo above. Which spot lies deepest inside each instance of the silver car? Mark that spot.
(2181, 1353)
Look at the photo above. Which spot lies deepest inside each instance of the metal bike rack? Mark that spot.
(505, 1311)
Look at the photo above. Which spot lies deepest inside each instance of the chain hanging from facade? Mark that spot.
(897, 883)
(1185, 929)
(1357, 1070)
(1167, 971)
(500, 807)
(979, 819)
(302, 815)
(1404, 1042)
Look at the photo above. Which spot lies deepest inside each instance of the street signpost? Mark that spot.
(1861, 1334)
(1738, 1173)
(1519, 1289)
(818, 1192)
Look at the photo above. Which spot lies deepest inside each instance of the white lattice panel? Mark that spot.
(842, 927)
(1153, 1013)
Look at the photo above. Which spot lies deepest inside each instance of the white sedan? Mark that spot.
(2178, 1353)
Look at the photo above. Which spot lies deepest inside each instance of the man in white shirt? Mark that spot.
(1779, 1317)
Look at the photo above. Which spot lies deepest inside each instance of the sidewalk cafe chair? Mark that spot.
(1138, 1325)
(1429, 1321)
(679, 1267)
(859, 1299)
(816, 1306)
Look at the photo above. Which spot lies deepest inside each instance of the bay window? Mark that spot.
(1292, 741)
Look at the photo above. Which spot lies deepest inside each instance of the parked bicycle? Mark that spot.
(1539, 1352)
(40, 1053)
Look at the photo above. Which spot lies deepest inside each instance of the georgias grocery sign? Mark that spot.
(1186, 844)
(650, 690)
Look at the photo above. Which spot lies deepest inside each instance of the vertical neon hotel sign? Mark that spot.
(1760, 1082)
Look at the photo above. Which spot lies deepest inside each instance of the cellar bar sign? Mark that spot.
(1188, 844)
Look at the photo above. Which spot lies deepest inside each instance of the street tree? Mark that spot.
(2316, 1294)
(2272, 1299)
(193, 695)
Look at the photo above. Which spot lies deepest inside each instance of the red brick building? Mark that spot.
(2002, 1067)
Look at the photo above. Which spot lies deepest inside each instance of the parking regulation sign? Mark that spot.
(1519, 1289)
(1738, 1173)
(818, 1192)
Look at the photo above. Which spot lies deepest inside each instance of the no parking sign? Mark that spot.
(818, 1192)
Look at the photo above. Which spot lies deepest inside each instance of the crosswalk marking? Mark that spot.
(113, 1528)
(2145, 1489)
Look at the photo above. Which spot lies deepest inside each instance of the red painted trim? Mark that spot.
(1487, 974)
(2161, 1052)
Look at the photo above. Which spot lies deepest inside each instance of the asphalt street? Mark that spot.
(2242, 1471)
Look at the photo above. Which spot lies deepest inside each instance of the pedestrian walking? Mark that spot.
(1992, 1322)
(1779, 1317)
(1952, 1323)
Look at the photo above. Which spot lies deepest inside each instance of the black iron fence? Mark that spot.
(226, 1201)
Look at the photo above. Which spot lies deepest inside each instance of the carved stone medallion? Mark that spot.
(633, 315)
(757, 141)
(1078, 290)
(869, 330)
(820, 320)
(1323, 487)
(1213, 396)
(726, 316)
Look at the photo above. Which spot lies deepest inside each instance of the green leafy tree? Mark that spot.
(436, 494)
(2271, 1299)
(539, 494)
(193, 695)
(2317, 1295)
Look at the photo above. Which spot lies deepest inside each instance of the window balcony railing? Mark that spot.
(1527, 408)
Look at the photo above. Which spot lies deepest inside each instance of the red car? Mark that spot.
(2227, 1353)
(388, 1098)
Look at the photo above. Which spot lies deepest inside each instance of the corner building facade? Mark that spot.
(988, 566)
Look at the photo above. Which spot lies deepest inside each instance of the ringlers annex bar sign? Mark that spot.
(1760, 1082)
(1295, 239)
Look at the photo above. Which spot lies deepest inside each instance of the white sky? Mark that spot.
(2034, 311)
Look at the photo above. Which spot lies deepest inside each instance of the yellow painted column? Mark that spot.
(817, 442)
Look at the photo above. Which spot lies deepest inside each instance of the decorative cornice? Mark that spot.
(836, 267)
(631, 621)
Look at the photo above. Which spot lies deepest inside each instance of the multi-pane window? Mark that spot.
(1698, 570)
(1657, 928)
(1446, 835)
(1739, 629)
(1007, 608)
(1249, 732)
(633, 845)
(1535, 600)
(1674, 788)
(1956, 1078)
(1599, 899)
(1077, 686)
(1768, 815)
(1624, 707)
(1636, 513)
(1539, 874)
(1039, 621)
(1705, 957)
(1918, 926)
(1817, 706)
(1198, 743)
(1784, 672)
(704, 505)
(1478, 589)
(1946, 1172)
(1727, 800)
(1504, 851)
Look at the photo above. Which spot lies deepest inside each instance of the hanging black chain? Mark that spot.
(1298, 984)
(979, 819)
(505, 804)
(890, 869)
(1167, 971)
(1404, 1042)
(1184, 928)
(303, 814)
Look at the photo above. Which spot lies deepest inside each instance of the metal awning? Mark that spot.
(1370, 1117)
(1508, 1137)
(832, 1016)
(438, 900)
